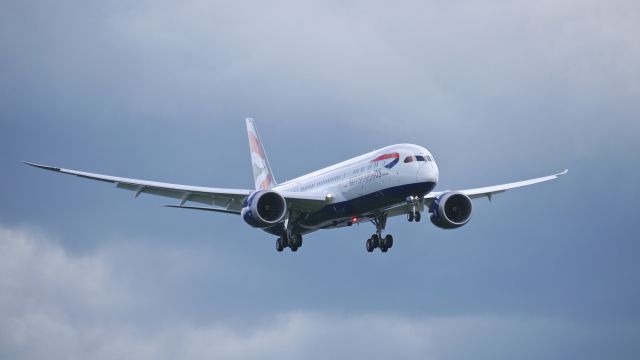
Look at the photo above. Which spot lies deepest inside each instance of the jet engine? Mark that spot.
(451, 210)
(264, 208)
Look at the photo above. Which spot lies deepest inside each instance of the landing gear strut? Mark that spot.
(288, 238)
(293, 242)
(376, 240)
(414, 214)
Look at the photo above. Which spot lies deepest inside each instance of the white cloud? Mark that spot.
(44, 293)
(57, 305)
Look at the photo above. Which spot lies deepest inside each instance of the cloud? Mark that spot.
(44, 293)
(57, 305)
(549, 74)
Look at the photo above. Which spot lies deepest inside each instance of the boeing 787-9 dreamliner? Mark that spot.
(397, 180)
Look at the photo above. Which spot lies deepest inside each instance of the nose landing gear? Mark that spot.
(414, 214)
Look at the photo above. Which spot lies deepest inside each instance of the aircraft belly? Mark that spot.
(340, 213)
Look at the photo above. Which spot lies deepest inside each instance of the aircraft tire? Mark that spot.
(297, 239)
(369, 245)
(375, 240)
(388, 241)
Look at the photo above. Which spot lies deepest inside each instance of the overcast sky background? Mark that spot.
(498, 90)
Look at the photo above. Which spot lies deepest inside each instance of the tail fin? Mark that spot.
(262, 174)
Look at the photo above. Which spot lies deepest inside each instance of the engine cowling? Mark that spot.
(451, 210)
(264, 208)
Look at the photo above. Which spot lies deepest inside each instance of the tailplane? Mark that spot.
(262, 174)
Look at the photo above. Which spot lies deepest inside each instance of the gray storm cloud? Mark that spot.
(55, 304)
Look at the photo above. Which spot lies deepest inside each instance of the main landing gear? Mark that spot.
(376, 240)
(292, 242)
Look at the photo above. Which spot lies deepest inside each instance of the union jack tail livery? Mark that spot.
(262, 174)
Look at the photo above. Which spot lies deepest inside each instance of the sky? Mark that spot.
(498, 91)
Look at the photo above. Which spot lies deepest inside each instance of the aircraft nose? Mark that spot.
(427, 173)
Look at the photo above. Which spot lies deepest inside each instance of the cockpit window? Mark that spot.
(412, 158)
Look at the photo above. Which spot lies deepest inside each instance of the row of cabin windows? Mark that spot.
(320, 183)
(409, 159)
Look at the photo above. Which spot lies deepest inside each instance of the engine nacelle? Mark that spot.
(451, 210)
(264, 208)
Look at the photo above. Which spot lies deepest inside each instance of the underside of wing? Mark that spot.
(489, 191)
(306, 202)
(216, 199)
(225, 199)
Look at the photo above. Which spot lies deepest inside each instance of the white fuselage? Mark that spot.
(361, 175)
(368, 182)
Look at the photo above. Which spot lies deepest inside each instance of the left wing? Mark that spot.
(222, 200)
(489, 191)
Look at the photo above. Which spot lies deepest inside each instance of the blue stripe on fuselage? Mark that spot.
(392, 164)
(358, 206)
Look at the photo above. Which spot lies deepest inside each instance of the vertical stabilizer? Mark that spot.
(262, 174)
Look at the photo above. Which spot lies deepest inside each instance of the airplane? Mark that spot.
(396, 180)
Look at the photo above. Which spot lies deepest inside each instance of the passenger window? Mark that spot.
(409, 159)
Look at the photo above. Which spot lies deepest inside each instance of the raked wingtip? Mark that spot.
(40, 166)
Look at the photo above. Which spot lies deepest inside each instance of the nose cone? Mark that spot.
(427, 172)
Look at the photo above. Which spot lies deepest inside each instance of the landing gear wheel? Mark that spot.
(297, 240)
(279, 245)
(388, 241)
(418, 216)
(410, 217)
(369, 245)
(375, 240)
(293, 248)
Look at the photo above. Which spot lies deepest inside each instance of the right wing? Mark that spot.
(228, 199)
(221, 200)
